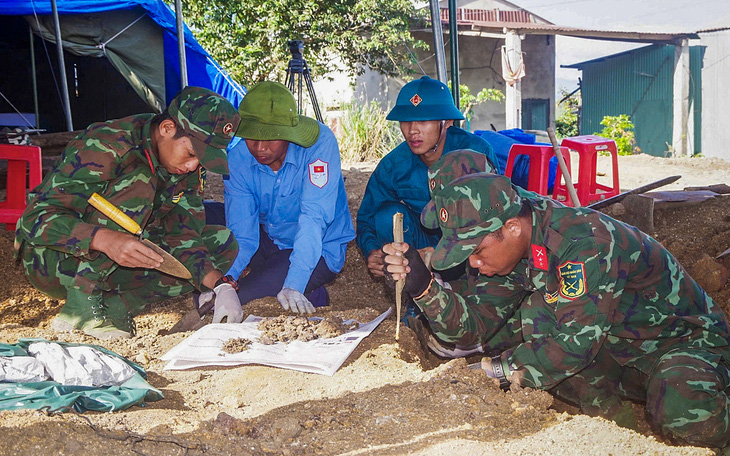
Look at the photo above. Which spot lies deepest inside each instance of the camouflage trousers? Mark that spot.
(54, 272)
(686, 393)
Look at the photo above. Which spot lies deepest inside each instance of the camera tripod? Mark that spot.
(298, 70)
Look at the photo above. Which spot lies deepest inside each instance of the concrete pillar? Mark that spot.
(680, 125)
(513, 102)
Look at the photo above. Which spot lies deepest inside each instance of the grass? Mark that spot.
(366, 134)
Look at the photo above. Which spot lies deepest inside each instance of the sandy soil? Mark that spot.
(388, 398)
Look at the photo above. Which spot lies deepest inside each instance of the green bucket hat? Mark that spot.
(209, 120)
(450, 166)
(269, 113)
(467, 209)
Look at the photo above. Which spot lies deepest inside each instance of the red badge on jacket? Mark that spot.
(539, 257)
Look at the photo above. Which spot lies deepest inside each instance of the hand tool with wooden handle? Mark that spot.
(170, 264)
(398, 237)
(637, 191)
(563, 168)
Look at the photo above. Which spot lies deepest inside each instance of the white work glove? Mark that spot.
(291, 299)
(227, 304)
(205, 297)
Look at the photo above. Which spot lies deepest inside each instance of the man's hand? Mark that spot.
(125, 250)
(401, 261)
(227, 304)
(291, 299)
(375, 262)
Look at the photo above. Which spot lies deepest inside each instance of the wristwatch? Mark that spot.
(498, 370)
(227, 279)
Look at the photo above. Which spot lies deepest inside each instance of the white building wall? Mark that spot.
(480, 66)
(715, 93)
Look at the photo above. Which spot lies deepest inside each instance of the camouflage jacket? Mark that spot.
(590, 282)
(115, 159)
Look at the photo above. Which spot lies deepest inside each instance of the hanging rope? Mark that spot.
(102, 45)
(17, 111)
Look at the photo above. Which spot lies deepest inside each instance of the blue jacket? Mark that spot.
(302, 207)
(402, 176)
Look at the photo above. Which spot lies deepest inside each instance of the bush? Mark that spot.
(620, 129)
(566, 125)
(365, 133)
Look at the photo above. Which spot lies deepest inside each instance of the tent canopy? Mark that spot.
(138, 37)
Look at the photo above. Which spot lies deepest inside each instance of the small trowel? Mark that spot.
(193, 319)
(170, 264)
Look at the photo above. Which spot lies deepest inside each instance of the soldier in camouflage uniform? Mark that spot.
(606, 312)
(449, 167)
(150, 168)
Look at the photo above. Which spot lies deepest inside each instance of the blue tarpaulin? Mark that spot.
(502, 141)
(203, 71)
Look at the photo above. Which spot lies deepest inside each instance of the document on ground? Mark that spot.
(319, 356)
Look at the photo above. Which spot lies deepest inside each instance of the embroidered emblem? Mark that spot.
(416, 100)
(444, 215)
(319, 173)
(539, 257)
(201, 179)
(572, 279)
(176, 198)
(551, 298)
(228, 128)
(432, 183)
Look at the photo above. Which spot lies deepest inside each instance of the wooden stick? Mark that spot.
(398, 237)
(563, 168)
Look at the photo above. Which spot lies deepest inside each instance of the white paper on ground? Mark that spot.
(319, 356)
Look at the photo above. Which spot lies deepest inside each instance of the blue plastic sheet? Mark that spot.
(502, 141)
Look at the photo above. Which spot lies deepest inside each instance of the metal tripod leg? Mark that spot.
(299, 70)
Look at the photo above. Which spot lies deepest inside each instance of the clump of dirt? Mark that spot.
(290, 328)
(237, 345)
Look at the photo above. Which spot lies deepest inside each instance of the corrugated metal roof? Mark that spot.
(468, 16)
(580, 65)
(545, 29)
(716, 29)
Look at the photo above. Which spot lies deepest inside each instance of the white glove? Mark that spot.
(205, 297)
(227, 304)
(291, 299)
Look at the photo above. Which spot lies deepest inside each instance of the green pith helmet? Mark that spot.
(424, 99)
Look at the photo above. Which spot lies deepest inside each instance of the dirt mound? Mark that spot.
(388, 397)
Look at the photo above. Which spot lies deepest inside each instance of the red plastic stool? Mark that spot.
(587, 188)
(540, 155)
(19, 159)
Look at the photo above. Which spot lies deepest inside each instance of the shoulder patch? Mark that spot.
(201, 178)
(572, 279)
(539, 257)
(551, 298)
(319, 173)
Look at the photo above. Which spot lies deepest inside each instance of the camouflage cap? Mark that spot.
(210, 120)
(450, 166)
(467, 209)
